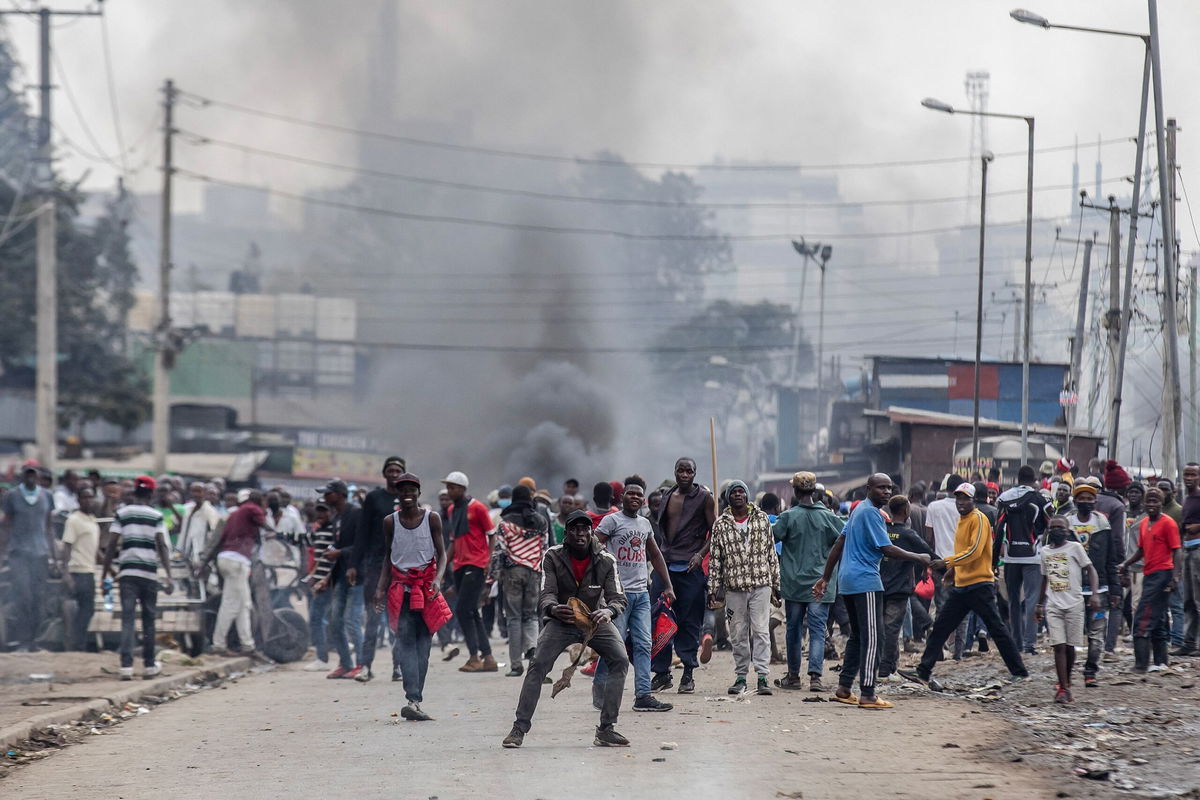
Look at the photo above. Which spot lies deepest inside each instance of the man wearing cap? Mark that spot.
(379, 504)
(1092, 530)
(416, 559)
(865, 542)
(579, 569)
(471, 546)
(941, 525)
(806, 532)
(139, 534)
(970, 568)
(26, 543)
(233, 550)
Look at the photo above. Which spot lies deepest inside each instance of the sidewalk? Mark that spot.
(38, 690)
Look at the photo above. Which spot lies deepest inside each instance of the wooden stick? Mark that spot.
(712, 441)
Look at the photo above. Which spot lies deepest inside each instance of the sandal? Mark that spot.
(850, 701)
(876, 705)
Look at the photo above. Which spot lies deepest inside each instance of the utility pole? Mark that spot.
(1166, 174)
(1193, 421)
(46, 382)
(1080, 322)
(164, 355)
(1112, 319)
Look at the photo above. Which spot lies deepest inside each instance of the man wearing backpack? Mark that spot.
(1021, 521)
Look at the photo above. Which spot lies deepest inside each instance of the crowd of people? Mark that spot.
(653, 578)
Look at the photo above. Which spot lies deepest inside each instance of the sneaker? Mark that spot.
(514, 739)
(913, 675)
(893, 678)
(650, 703)
(814, 683)
(355, 673)
(364, 675)
(413, 713)
(1090, 682)
(339, 672)
(451, 654)
(764, 688)
(982, 643)
(738, 686)
(1062, 696)
(686, 684)
(1184, 651)
(530, 653)
(607, 737)
(316, 665)
(397, 676)
(662, 681)
(911, 647)
(1157, 668)
(515, 671)
(1110, 657)
(152, 672)
(125, 673)
(1031, 651)
(590, 668)
(706, 648)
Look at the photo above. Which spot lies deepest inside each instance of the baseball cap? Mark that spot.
(243, 495)
(965, 488)
(387, 462)
(578, 516)
(336, 486)
(1084, 487)
(408, 477)
(458, 479)
(804, 481)
(145, 482)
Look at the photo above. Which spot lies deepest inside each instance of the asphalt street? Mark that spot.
(294, 734)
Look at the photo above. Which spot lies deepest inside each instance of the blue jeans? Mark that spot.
(1175, 603)
(634, 622)
(411, 651)
(318, 622)
(690, 603)
(345, 618)
(818, 616)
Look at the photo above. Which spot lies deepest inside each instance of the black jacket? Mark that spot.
(600, 588)
(346, 531)
(1022, 519)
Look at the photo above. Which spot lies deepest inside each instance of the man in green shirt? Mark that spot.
(806, 532)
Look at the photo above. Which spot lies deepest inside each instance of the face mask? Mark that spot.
(504, 502)
(1085, 507)
(1058, 537)
(772, 518)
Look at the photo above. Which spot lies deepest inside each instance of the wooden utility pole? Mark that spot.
(163, 352)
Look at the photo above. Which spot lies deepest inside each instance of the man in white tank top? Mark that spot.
(416, 555)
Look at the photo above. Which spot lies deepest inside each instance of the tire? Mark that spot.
(288, 638)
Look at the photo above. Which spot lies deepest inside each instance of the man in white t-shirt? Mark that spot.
(941, 520)
(630, 539)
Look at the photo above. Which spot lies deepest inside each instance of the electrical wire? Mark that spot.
(200, 101)
(112, 95)
(79, 115)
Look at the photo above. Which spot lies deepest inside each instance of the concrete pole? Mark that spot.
(979, 310)
(161, 431)
(1028, 321)
(46, 384)
(1080, 322)
(1113, 317)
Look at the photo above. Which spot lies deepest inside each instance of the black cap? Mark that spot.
(578, 516)
(395, 460)
(408, 477)
(336, 486)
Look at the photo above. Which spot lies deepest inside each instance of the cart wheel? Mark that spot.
(288, 638)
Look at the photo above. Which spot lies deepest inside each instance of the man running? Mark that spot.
(471, 546)
(581, 569)
(864, 542)
(974, 589)
(416, 559)
(630, 541)
(686, 518)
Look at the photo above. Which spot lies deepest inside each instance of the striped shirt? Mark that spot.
(522, 548)
(138, 527)
(322, 540)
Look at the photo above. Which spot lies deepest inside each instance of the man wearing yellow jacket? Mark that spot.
(970, 568)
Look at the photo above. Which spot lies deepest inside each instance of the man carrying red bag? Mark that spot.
(416, 607)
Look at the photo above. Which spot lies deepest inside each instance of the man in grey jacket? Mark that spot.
(583, 569)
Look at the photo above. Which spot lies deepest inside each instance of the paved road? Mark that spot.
(294, 734)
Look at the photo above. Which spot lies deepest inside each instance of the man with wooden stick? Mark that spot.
(581, 594)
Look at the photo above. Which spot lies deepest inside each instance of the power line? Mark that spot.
(112, 95)
(534, 228)
(201, 140)
(201, 102)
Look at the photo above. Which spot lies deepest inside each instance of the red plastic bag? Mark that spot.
(663, 626)
(925, 587)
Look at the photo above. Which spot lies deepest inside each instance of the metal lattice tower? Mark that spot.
(976, 86)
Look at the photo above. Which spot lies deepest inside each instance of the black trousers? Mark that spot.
(862, 649)
(959, 602)
(83, 591)
(469, 583)
(135, 591)
(895, 607)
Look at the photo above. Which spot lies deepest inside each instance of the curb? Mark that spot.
(25, 729)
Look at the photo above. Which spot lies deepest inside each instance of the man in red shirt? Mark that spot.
(471, 539)
(1158, 539)
(233, 551)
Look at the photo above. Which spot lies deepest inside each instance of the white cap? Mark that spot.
(966, 488)
(457, 478)
(243, 495)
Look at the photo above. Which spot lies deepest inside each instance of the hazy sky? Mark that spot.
(669, 80)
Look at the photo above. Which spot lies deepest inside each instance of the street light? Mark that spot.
(1030, 18)
(984, 161)
(938, 105)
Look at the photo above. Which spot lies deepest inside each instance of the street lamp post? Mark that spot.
(1030, 18)
(938, 105)
(984, 161)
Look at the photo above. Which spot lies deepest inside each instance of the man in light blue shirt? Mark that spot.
(863, 544)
